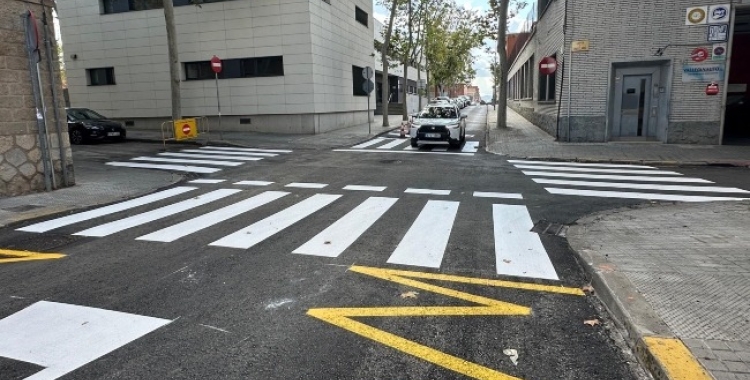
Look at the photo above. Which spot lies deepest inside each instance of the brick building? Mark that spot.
(640, 70)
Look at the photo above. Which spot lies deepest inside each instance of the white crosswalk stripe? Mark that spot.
(396, 145)
(519, 252)
(186, 161)
(238, 149)
(177, 168)
(210, 156)
(393, 144)
(230, 153)
(587, 180)
(206, 160)
(424, 243)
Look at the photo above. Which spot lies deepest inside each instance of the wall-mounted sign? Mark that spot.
(696, 15)
(712, 88)
(547, 66)
(703, 72)
(717, 33)
(580, 45)
(718, 14)
(719, 52)
(699, 54)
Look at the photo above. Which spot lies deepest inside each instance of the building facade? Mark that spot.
(635, 70)
(289, 66)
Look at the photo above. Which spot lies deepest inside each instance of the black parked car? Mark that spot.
(87, 125)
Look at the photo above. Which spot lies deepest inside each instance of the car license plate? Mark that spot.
(113, 134)
(432, 135)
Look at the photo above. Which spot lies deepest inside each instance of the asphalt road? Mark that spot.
(318, 280)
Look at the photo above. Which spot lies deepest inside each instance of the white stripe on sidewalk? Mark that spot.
(307, 185)
(483, 194)
(642, 186)
(106, 210)
(263, 229)
(253, 183)
(393, 144)
(341, 234)
(649, 196)
(405, 150)
(425, 242)
(470, 146)
(159, 213)
(207, 181)
(427, 191)
(187, 161)
(229, 153)
(187, 227)
(364, 188)
(179, 168)
(518, 251)
(617, 177)
(247, 149)
(365, 144)
(556, 163)
(210, 156)
(594, 170)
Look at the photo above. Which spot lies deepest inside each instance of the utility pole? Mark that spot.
(502, 96)
(174, 60)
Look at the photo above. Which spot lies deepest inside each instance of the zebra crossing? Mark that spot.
(624, 181)
(422, 241)
(403, 145)
(205, 160)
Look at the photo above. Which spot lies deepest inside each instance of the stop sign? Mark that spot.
(547, 66)
(216, 64)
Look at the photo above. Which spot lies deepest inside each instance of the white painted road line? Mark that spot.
(405, 150)
(518, 251)
(207, 181)
(642, 186)
(307, 185)
(210, 156)
(596, 170)
(483, 194)
(156, 214)
(253, 183)
(187, 227)
(63, 337)
(425, 242)
(649, 196)
(364, 188)
(617, 177)
(372, 142)
(178, 168)
(106, 210)
(188, 161)
(229, 148)
(439, 149)
(229, 153)
(341, 234)
(556, 163)
(470, 146)
(427, 191)
(263, 229)
(393, 144)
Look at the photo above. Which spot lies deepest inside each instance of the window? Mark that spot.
(101, 77)
(198, 70)
(361, 16)
(263, 67)
(237, 68)
(118, 6)
(358, 81)
(547, 86)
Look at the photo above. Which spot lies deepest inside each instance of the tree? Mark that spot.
(406, 40)
(499, 12)
(174, 60)
(385, 93)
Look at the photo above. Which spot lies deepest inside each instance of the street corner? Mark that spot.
(667, 358)
(8, 256)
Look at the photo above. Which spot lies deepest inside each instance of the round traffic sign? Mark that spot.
(216, 64)
(699, 54)
(368, 86)
(367, 72)
(186, 129)
(547, 65)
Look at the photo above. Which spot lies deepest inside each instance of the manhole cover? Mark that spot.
(544, 227)
(22, 208)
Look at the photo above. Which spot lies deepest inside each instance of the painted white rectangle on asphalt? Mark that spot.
(188, 161)
(372, 142)
(345, 231)
(410, 148)
(159, 213)
(207, 181)
(557, 163)
(364, 188)
(178, 168)
(470, 146)
(63, 337)
(484, 194)
(188, 227)
(427, 191)
(642, 186)
(229, 153)
(210, 156)
(307, 185)
(649, 196)
(106, 210)
(229, 148)
(518, 251)
(598, 170)
(425, 242)
(617, 177)
(253, 183)
(263, 229)
(439, 149)
(405, 150)
(393, 144)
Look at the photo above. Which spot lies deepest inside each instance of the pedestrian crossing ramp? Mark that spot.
(624, 181)
(203, 160)
(483, 230)
(403, 145)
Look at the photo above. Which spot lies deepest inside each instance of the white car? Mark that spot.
(438, 124)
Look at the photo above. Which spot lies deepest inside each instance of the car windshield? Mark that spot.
(80, 114)
(438, 113)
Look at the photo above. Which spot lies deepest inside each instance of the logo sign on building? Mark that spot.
(547, 66)
(702, 73)
(719, 52)
(699, 54)
(580, 45)
(717, 33)
(718, 14)
(696, 15)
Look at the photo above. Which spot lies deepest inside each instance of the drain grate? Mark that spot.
(544, 227)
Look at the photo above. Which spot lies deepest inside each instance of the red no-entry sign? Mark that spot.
(216, 64)
(548, 66)
(186, 129)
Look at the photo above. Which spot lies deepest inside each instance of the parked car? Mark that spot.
(438, 125)
(87, 125)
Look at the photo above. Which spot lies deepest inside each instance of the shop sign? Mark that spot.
(696, 15)
(699, 54)
(719, 52)
(718, 14)
(717, 33)
(580, 45)
(703, 72)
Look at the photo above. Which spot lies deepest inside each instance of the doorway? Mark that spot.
(736, 128)
(636, 104)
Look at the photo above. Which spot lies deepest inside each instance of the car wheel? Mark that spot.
(76, 137)
(121, 138)
(414, 143)
(463, 136)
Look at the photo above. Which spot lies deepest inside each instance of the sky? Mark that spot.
(482, 60)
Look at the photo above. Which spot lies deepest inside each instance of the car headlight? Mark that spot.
(92, 126)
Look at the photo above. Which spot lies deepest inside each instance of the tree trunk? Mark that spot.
(174, 60)
(419, 80)
(502, 91)
(386, 88)
(405, 92)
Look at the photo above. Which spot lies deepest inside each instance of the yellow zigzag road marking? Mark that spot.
(341, 317)
(11, 256)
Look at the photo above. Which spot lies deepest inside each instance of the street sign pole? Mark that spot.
(368, 86)
(369, 122)
(216, 67)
